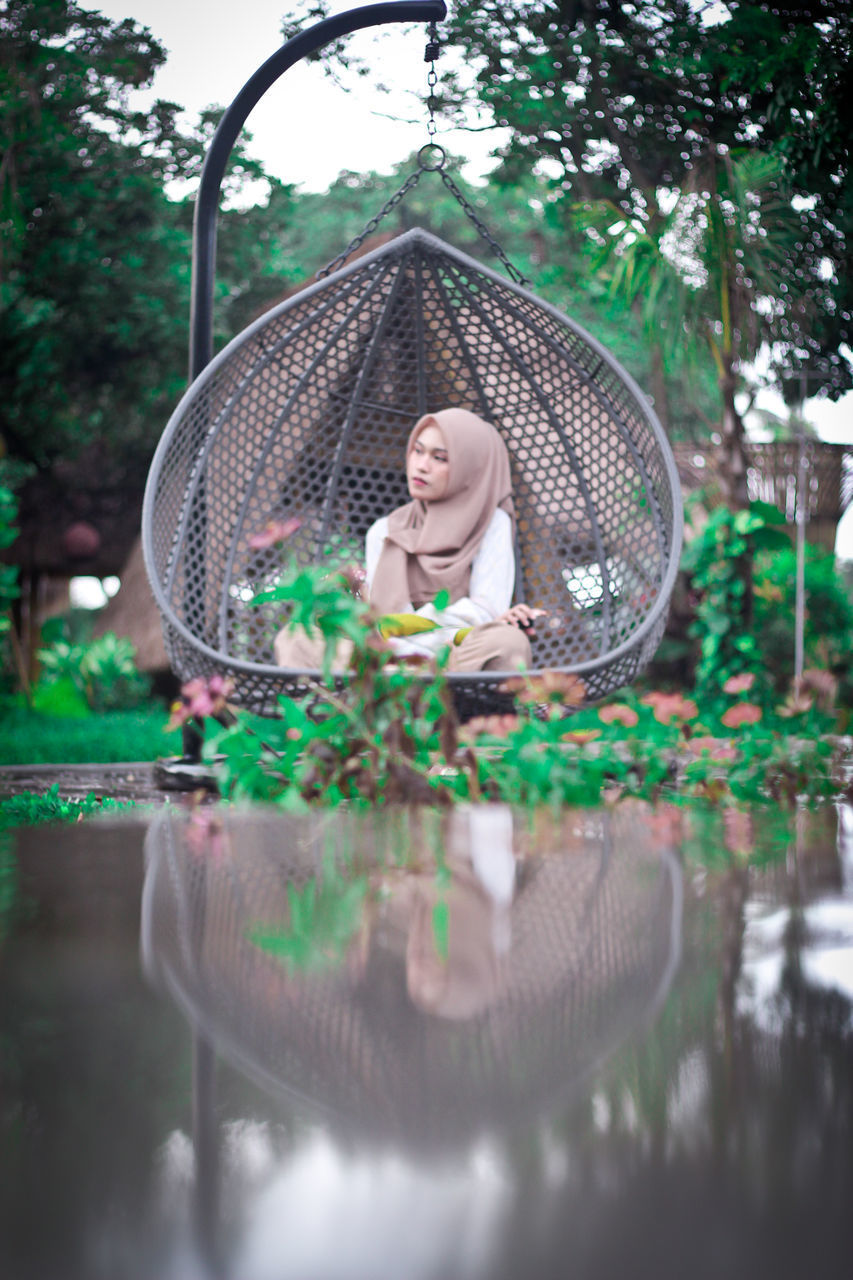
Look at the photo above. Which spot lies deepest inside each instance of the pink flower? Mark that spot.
(580, 737)
(742, 713)
(666, 823)
(274, 531)
(201, 697)
(205, 835)
(738, 831)
(546, 686)
(618, 713)
(496, 726)
(354, 577)
(796, 704)
(822, 683)
(670, 706)
(739, 684)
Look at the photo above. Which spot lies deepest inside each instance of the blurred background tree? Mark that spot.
(94, 255)
(692, 122)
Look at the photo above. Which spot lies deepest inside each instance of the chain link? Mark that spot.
(431, 53)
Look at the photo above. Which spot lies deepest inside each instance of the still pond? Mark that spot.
(480, 1044)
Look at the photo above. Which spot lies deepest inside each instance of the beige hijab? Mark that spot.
(430, 545)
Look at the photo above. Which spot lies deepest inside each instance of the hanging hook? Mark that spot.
(433, 48)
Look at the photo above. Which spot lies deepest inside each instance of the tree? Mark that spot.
(641, 104)
(708, 273)
(794, 62)
(94, 281)
(95, 257)
(83, 346)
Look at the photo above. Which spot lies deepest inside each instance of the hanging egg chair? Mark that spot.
(307, 412)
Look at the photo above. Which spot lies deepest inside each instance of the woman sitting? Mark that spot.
(456, 535)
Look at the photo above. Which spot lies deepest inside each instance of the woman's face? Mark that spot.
(427, 466)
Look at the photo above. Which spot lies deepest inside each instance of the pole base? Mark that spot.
(183, 773)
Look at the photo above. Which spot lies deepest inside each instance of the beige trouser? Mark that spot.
(496, 646)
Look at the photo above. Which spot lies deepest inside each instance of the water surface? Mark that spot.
(473, 1045)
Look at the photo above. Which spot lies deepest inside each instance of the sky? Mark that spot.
(307, 129)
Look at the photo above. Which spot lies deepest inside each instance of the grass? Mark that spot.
(109, 737)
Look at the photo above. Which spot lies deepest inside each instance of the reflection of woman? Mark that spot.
(436, 936)
(456, 535)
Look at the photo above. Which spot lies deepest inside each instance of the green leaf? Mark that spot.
(771, 539)
(770, 514)
(718, 624)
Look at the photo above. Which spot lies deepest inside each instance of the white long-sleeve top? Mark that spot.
(489, 591)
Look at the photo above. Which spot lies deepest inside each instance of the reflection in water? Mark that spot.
(418, 980)
(425, 982)
(443, 1019)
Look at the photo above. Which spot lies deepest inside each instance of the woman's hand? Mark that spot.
(521, 615)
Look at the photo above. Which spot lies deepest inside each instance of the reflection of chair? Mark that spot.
(307, 412)
(593, 940)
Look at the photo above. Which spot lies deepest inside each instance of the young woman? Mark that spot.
(456, 535)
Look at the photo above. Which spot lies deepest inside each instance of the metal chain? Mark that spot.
(391, 203)
(433, 49)
(430, 55)
(512, 271)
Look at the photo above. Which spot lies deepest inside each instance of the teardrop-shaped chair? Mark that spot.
(306, 413)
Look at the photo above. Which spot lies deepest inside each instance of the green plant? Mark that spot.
(378, 733)
(828, 629)
(382, 732)
(30, 807)
(8, 534)
(323, 918)
(719, 562)
(103, 673)
(9, 590)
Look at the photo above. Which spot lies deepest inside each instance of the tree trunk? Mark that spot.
(732, 471)
(732, 456)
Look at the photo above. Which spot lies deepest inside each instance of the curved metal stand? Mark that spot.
(207, 202)
(207, 211)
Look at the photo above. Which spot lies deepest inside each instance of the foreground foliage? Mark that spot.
(386, 733)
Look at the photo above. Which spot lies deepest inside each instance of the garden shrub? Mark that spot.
(828, 630)
(102, 674)
(741, 568)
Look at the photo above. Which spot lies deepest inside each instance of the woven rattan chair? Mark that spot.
(307, 412)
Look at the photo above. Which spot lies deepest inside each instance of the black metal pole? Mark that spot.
(207, 202)
(205, 1204)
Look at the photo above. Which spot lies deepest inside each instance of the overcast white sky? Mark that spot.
(307, 129)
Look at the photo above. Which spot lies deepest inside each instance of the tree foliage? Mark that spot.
(720, 183)
(83, 343)
(685, 120)
(95, 256)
